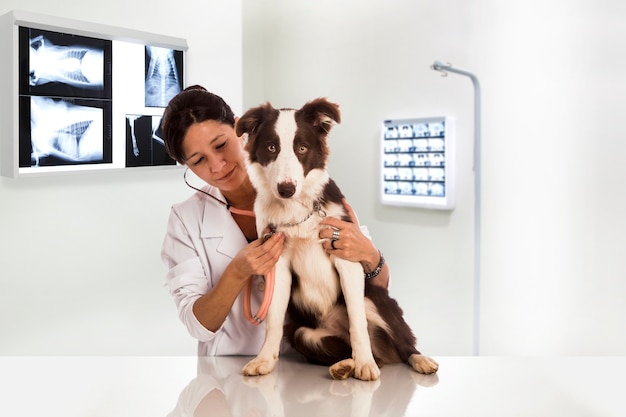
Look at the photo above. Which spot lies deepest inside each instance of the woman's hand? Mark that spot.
(257, 258)
(260, 256)
(347, 241)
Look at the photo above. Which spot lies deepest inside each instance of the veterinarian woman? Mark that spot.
(211, 247)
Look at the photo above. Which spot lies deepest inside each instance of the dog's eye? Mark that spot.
(271, 147)
(302, 149)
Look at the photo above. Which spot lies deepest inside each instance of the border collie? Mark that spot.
(331, 322)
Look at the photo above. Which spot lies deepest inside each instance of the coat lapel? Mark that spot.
(217, 223)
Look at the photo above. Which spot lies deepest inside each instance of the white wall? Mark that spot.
(80, 268)
(80, 265)
(554, 232)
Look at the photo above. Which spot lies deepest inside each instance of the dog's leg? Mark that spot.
(268, 356)
(353, 287)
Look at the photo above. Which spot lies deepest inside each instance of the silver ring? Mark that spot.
(335, 234)
(332, 244)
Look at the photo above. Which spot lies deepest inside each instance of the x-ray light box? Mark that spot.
(417, 158)
(79, 96)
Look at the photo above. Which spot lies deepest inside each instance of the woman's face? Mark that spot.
(214, 153)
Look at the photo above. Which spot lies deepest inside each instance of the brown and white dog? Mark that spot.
(331, 322)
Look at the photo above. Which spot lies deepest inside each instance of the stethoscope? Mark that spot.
(228, 206)
(257, 318)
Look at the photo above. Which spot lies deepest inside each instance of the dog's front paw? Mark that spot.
(259, 366)
(423, 364)
(366, 371)
(342, 370)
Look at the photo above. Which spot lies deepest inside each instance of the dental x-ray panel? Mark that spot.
(417, 158)
(82, 96)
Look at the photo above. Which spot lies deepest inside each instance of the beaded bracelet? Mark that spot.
(375, 272)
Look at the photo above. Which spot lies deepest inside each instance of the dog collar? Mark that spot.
(317, 208)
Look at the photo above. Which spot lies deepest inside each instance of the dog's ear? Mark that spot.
(252, 119)
(320, 113)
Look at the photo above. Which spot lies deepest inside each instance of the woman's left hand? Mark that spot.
(345, 239)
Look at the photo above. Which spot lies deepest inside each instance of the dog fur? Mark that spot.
(330, 320)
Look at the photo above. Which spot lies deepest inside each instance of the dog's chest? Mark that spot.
(316, 284)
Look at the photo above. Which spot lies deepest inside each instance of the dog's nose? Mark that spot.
(286, 189)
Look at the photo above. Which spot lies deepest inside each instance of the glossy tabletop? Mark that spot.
(189, 386)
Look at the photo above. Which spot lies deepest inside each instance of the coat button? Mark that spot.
(261, 286)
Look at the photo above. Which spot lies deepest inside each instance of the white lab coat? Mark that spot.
(201, 240)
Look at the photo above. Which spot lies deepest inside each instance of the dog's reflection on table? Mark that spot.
(294, 388)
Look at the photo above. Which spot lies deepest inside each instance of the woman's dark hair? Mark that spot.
(193, 105)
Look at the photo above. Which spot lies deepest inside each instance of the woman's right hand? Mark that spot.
(260, 256)
(256, 258)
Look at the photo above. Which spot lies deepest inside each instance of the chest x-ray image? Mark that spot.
(63, 132)
(59, 64)
(74, 65)
(163, 80)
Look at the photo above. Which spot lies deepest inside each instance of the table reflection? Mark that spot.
(295, 388)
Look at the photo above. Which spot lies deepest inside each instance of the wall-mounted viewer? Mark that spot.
(417, 162)
(75, 95)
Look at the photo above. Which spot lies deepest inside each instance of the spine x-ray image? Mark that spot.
(144, 145)
(163, 81)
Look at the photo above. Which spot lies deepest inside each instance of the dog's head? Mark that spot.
(287, 147)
